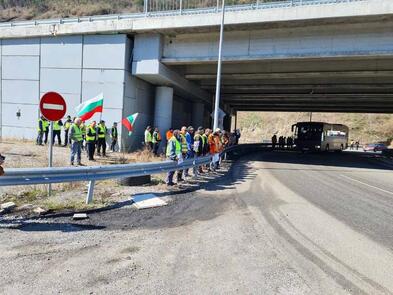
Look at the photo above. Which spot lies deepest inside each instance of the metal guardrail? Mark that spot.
(33, 176)
(179, 8)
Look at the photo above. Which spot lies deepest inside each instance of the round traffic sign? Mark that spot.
(53, 106)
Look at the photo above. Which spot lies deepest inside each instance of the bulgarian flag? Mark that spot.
(87, 109)
(129, 123)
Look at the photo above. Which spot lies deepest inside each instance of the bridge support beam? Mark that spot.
(147, 66)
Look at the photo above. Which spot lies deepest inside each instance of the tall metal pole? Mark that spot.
(218, 82)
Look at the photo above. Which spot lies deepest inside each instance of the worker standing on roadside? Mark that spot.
(114, 136)
(169, 134)
(57, 131)
(91, 137)
(212, 149)
(274, 141)
(198, 148)
(156, 140)
(148, 139)
(76, 141)
(101, 138)
(41, 130)
(190, 146)
(173, 153)
(216, 148)
(67, 126)
(83, 128)
(183, 142)
(46, 124)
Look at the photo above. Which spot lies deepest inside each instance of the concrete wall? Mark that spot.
(79, 68)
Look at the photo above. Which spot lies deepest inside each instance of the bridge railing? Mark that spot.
(33, 176)
(155, 8)
(187, 6)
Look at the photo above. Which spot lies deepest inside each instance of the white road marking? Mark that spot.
(51, 106)
(369, 185)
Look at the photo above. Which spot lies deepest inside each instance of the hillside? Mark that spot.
(39, 9)
(363, 127)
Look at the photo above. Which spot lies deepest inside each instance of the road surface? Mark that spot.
(276, 223)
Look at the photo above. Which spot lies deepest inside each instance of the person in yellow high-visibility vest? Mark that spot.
(173, 153)
(148, 138)
(101, 138)
(41, 130)
(45, 124)
(184, 149)
(156, 140)
(91, 137)
(57, 131)
(76, 141)
(67, 126)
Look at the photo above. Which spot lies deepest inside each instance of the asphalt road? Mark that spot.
(276, 223)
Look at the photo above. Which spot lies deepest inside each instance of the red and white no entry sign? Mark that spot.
(53, 106)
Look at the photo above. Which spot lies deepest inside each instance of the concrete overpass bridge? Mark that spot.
(323, 56)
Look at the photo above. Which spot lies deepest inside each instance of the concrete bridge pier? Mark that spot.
(163, 109)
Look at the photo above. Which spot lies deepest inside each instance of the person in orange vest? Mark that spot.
(169, 134)
(215, 148)
(156, 140)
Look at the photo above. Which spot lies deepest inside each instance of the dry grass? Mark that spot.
(363, 127)
(40, 9)
(23, 154)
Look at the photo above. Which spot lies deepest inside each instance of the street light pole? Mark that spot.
(218, 82)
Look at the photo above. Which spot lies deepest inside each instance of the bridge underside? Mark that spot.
(350, 84)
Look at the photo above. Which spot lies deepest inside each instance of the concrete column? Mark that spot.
(233, 121)
(198, 112)
(163, 110)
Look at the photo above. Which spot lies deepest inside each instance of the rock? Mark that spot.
(26, 207)
(9, 206)
(79, 216)
(40, 211)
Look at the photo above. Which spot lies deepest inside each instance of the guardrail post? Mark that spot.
(145, 4)
(181, 6)
(257, 4)
(90, 192)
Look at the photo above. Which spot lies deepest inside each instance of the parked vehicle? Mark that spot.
(375, 147)
(320, 136)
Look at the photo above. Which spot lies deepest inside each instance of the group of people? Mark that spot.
(354, 145)
(282, 142)
(188, 143)
(91, 137)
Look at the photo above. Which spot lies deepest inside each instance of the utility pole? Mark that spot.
(218, 82)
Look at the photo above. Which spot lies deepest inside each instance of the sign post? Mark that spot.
(53, 107)
(50, 153)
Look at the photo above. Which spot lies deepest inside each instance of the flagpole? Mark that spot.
(102, 106)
